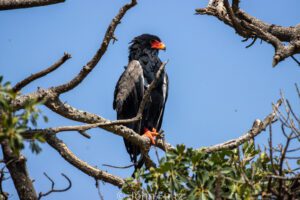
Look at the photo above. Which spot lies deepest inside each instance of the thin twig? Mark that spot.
(69, 156)
(42, 73)
(253, 41)
(53, 190)
(119, 167)
(147, 93)
(295, 59)
(98, 189)
(247, 26)
(284, 178)
(80, 128)
(271, 148)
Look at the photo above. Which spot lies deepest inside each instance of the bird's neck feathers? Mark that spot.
(140, 52)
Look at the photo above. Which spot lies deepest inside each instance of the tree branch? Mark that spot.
(53, 190)
(42, 73)
(248, 26)
(16, 164)
(147, 93)
(16, 4)
(257, 128)
(109, 35)
(68, 155)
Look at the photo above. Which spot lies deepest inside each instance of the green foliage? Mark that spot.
(184, 173)
(13, 123)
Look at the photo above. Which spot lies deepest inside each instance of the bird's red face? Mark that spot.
(155, 44)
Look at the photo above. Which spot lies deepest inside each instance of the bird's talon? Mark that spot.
(151, 135)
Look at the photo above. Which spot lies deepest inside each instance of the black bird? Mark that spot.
(138, 75)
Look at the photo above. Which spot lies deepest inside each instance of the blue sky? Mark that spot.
(217, 86)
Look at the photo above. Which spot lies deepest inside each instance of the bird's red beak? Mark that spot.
(158, 45)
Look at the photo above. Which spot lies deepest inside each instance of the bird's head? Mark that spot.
(147, 41)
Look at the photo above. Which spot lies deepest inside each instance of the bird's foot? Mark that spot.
(151, 134)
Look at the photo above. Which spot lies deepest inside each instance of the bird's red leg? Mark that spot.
(150, 134)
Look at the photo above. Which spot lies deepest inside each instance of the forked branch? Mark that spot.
(250, 27)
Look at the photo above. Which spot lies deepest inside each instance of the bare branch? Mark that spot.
(109, 35)
(69, 156)
(53, 190)
(235, 22)
(257, 128)
(138, 140)
(99, 191)
(248, 26)
(16, 4)
(284, 178)
(295, 59)
(271, 150)
(42, 73)
(149, 89)
(252, 43)
(29, 134)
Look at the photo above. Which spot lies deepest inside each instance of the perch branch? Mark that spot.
(17, 4)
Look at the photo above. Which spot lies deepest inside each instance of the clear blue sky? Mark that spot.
(217, 87)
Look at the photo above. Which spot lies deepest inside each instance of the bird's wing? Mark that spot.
(129, 90)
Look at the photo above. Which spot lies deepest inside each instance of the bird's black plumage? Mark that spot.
(140, 72)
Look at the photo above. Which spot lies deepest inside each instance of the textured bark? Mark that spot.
(16, 165)
(248, 26)
(68, 155)
(16, 4)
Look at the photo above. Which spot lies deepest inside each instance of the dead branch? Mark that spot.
(98, 190)
(109, 35)
(257, 128)
(286, 177)
(247, 26)
(53, 190)
(69, 156)
(147, 93)
(42, 73)
(17, 4)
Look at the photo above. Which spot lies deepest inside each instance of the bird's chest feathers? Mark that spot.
(150, 64)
